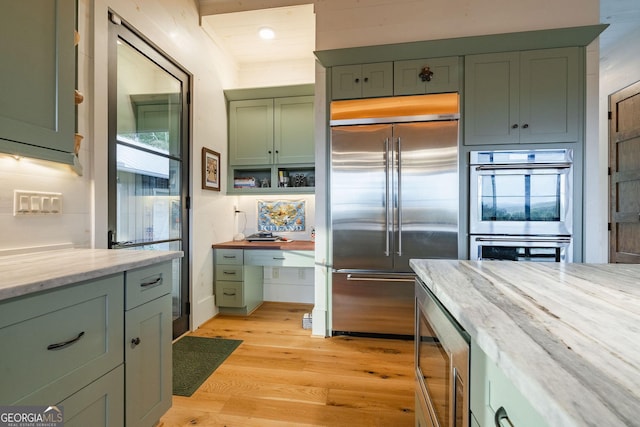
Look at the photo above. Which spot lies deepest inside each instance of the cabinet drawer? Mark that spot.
(229, 256)
(147, 283)
(231, 273)
(100, 404)
(230, 294)
(57, 341)
(274, 258)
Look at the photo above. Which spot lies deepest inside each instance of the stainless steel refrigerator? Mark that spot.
(394, 196)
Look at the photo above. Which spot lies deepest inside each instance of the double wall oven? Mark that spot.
(521, 205)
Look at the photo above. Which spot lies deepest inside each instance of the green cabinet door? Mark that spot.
(148, 362)
(251, 132)
(294, 130)
(362, 81)
(37, 108)
(491, 390)
(549, 95)
(523, 97)
(491, 98)
(100, 404)
(422, 76)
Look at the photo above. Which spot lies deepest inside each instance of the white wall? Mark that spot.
(349, 23)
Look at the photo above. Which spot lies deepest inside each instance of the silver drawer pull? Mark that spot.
(229, 295)
(152, 282)
(230, 273)
(229, 256)
(281, 258)
(61, 345)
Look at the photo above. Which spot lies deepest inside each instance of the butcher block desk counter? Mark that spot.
(238, 270)
(567, 336)
(294, 245)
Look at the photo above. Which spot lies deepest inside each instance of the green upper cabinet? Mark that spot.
(523, 97)
(271, 131)
(251, 132)
(362, 81)
(294, 130)
(37, 109)
(422, 76)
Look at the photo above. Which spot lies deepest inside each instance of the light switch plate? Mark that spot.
(36, 203)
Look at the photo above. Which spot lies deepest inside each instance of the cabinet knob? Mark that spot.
(525, 126)
(426, 74)
(135, 341)
(366, 79)
(514, 126)
(357, 80)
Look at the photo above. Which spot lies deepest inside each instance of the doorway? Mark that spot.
(148, 155)
(624, 170)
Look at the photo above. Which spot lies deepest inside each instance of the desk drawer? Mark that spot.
(57, 341)
(229, 256)
(148, 283)
(275, 258)
(229, 294)
(229, 272)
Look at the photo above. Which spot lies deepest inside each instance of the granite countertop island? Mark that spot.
(32, 272)
(566, 335)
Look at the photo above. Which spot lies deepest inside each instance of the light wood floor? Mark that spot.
(281, 376)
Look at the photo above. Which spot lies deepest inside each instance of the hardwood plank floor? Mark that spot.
(282, 376)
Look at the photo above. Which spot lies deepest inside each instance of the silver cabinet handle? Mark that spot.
(229, 273)
(280, 258)
(501, 415)
(61, 345)
(229, 256)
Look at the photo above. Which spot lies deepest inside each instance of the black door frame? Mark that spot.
(121, 30)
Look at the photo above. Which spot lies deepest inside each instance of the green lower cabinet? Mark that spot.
(238, 287)
(100, 404)
(148, 362)
(491, 390)
(57, 342)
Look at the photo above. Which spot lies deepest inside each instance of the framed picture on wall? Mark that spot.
(210, 170)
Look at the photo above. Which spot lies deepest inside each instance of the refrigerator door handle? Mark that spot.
(387, 195)
(399, 195)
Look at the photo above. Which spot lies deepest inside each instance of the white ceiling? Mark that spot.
(294, 28)
(237, 32)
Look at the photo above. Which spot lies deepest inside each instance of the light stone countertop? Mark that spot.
(32, 272)
(566, 335)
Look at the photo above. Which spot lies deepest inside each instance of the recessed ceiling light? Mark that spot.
(266, 33)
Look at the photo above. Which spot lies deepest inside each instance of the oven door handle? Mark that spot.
(523, 239)
(379, 279)
(524, 166)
